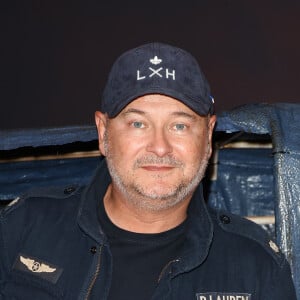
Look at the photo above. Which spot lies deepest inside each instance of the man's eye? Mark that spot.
(179, 127)
(137, 124)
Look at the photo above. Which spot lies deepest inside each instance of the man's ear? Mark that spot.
(211, 125)
(101, 124)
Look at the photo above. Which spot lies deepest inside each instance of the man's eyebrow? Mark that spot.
(184, 114)
(133, 111)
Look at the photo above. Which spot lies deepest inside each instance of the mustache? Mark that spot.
(154, 160)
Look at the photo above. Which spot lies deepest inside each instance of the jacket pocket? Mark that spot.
(20, 287)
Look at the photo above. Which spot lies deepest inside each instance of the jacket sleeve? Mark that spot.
(274, 281)
(281, 285)
(1, 258)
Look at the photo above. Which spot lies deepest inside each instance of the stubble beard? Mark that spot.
(152, 200)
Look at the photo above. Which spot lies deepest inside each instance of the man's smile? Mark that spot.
(157, 168)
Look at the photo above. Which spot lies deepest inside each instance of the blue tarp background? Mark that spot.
(249, 181)
(282, 122)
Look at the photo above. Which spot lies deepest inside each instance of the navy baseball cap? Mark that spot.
(156, 68)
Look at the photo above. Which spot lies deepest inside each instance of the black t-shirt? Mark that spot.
(139, 259)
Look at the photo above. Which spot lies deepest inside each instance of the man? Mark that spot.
(140, 229)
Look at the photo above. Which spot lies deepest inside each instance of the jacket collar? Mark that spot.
(88, 218)
(199, 232)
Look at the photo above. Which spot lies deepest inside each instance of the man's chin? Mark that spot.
(158, 191)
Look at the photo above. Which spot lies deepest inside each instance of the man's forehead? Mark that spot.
(156, 102)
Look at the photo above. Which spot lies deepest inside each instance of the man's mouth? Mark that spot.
(157, 168)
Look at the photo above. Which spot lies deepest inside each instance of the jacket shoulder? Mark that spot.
(252, 232)
(38, 196)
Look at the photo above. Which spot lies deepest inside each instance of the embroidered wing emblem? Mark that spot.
(35, 266)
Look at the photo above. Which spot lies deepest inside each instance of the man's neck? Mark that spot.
(135, 219)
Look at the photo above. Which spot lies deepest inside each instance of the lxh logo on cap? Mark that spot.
(160, 72)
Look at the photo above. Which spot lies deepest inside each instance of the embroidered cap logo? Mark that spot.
(156, 72)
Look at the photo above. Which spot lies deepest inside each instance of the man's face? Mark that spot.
(156, 149)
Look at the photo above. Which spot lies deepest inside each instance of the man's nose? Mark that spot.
(159, 143)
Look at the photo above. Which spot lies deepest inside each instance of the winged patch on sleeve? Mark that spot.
(37, 267)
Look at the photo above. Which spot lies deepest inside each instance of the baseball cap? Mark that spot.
(156, 68)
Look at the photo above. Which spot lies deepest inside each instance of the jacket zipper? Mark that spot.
(95, 275)
(163, 271)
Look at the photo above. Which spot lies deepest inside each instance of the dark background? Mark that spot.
(56, 54)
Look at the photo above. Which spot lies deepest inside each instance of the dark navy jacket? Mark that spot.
(52, 247)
